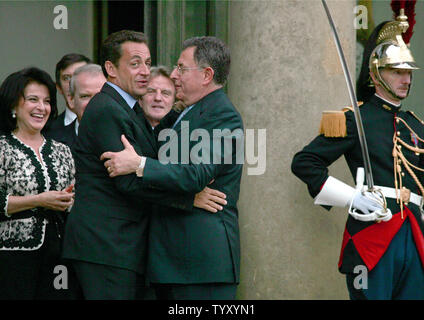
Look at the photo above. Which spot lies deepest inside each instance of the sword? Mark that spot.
(352, 95)
(361, 133)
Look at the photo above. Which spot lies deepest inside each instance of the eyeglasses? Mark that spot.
(181, 69)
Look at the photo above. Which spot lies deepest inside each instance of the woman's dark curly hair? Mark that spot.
(12, 89)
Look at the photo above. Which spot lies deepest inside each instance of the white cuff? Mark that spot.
(5, 206)
(335, 193)
(140, 170)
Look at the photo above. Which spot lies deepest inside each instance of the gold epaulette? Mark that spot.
(333, 123)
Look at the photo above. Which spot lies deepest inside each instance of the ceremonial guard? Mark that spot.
(384, 229)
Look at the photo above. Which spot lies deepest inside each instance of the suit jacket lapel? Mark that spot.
(71, 132)
(145, 127)
(193, 116)
(189, 116)
(138, 119)
(116, 96)
(199, 109)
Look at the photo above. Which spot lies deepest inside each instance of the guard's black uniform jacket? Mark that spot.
(364, 243)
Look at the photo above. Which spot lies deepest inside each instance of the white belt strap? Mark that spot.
(391, 193)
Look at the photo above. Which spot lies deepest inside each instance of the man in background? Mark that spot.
(159, 97)
(85, 83)
(63, 128)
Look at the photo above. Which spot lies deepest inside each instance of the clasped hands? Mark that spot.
(57, 200)
(127, 161)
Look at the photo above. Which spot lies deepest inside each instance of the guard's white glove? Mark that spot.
(370, 206)
(365, 202)
(363, 205)
(369, 203)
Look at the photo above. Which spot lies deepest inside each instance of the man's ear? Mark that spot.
(71, 102)
(110, 69)
(59, 89)
(208, 75)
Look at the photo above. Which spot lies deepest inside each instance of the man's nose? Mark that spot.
(174, 74)
(144, 69)
(158, 95)
(406, 77)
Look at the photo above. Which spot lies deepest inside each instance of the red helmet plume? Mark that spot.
(409, 7)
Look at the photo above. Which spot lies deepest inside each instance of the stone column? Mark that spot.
(285, 72)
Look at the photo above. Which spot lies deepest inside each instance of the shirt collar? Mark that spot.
(385, 104)
(127, 97)
(69, 117)
(393, 104)
(76, 126)
(182, 114)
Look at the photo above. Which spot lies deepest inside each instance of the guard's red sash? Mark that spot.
(372, 242)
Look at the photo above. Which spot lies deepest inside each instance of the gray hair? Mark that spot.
(91, 68)
(160, 71)
(211, 52)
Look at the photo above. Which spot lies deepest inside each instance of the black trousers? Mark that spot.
(102, 282)
(203, 291)
(39, 274)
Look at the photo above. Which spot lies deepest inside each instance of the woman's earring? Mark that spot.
(13, 114)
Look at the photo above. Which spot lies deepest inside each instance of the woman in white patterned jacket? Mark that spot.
(36, 181)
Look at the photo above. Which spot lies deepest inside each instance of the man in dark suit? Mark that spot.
(193, 255)
(86, 82)
(106, 232)
(63, 128)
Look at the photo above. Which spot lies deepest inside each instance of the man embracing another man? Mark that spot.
(190, 253)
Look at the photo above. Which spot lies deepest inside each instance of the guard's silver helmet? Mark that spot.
(391, 51)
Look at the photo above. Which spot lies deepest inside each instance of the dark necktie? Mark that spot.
(137, 108)
(139, 112)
